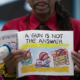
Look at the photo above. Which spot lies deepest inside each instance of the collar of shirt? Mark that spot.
(51, 23)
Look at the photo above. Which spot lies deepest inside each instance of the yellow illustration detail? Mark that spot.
(41, 45)
(31, 68)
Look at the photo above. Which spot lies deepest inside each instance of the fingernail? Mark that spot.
(72, 52)
(79, 51)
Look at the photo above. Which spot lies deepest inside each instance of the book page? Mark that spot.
(46, 53)
(9, 36)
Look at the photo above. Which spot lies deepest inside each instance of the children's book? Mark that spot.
(46, 53)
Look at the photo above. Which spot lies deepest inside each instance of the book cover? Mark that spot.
(46, 53)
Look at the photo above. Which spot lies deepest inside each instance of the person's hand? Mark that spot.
(76, 59)
(12, 60)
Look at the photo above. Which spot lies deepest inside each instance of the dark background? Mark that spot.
(68, 4)
(16, 9)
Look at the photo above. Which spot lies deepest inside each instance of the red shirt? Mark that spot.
(0, 78)
(21, 24)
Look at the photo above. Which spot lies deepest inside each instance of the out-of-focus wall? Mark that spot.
(76, 9)
(11, 9)
(79, 9)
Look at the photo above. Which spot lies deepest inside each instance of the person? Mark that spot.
(52, 15)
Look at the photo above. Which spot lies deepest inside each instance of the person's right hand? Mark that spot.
(12, 60)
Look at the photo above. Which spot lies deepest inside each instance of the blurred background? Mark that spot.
(10, 9)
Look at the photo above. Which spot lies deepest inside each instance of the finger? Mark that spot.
(7, 59)
(77, 69)
(16, 61)
(13, 53)
(79, 51)
(76, 61)
(75, 54)
(13, 56)
(16, 57)
(17, 52)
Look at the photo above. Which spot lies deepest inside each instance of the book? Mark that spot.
(46, 52)
(9, 36)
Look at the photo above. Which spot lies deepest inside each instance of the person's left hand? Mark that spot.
(76, 59)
